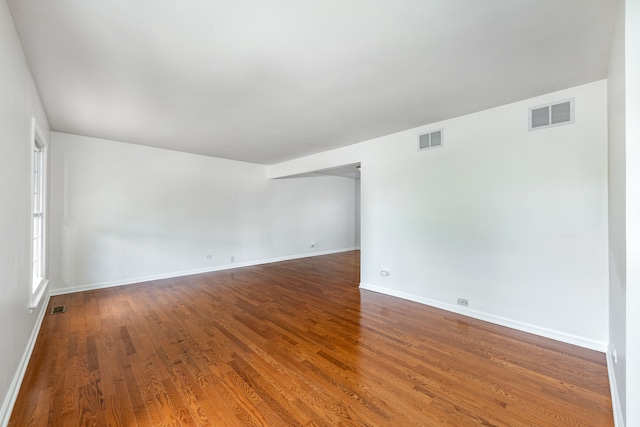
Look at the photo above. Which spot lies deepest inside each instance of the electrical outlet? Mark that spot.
(462, 301)
(209, 256)
(313, 244)
(232, 259)
(615, 354)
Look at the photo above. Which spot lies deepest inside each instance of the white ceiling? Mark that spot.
(268, 81)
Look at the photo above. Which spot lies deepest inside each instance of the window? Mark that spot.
(38, 200)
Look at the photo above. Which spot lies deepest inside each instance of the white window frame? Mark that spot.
(39, 184)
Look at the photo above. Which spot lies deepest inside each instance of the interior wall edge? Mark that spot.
(498, 320)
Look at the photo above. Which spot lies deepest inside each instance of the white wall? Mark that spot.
(512, 220)
(632, 145)
(617, 215)
(123, 213)
(624, 211)
(19, 102)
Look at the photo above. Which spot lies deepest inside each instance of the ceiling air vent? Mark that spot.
(555, 114)
(429, 140)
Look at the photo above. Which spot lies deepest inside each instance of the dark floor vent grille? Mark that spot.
(59, 309)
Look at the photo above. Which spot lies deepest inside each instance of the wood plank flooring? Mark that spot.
(295, 343)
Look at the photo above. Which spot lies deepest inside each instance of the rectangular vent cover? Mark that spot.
(429, 140)
(59, 309)
(555, 114)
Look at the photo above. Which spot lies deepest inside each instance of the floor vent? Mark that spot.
(59, 309)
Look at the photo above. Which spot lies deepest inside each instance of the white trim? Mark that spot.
(35, 298)
(502, 321)
(130, 281)
(38, 139)
(14, 388)
(618, 418)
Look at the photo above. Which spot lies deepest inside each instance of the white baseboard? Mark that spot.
(502, 321)
(618, 418)
(14, 388)
(130, 281)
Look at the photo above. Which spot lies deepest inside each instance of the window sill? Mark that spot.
(36, 297)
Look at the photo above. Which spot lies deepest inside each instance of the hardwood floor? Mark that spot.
(295, 343)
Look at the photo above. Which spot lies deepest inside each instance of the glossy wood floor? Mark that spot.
(295, 343)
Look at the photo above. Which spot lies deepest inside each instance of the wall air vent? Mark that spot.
(433, 139)
(549, 115)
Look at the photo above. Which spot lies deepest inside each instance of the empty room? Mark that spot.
(356, 213)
